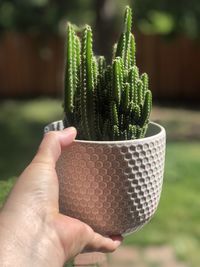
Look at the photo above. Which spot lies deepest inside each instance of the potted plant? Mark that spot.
(111, 176)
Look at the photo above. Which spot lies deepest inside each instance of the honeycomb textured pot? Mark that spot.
(114, 187)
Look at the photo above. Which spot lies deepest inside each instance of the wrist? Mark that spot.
(10, 245)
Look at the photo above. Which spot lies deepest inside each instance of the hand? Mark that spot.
(32, 231)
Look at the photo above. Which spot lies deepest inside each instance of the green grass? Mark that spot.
(177, 220)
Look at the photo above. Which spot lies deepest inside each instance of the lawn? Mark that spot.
(178, 218)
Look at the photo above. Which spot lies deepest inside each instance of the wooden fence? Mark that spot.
(30, 66)
(173, 67)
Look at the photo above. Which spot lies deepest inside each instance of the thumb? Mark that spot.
(52, 144)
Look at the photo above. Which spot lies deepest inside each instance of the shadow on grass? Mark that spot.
(19, 143)
(21, 130)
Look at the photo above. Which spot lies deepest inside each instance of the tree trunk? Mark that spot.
(104, 26)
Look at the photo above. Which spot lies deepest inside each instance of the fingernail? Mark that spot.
(70, 130)
(117, 243)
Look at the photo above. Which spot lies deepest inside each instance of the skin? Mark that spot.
(32, 231)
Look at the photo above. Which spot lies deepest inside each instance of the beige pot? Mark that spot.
(114, 186)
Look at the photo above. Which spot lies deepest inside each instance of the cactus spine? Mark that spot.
(105, 101)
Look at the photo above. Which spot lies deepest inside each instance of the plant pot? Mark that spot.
(113, 186)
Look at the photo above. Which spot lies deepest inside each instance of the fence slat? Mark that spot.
(31, 66)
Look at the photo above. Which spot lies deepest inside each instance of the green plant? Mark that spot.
(105, 101)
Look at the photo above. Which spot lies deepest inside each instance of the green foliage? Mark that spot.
(168, 17)
(46, 16)
(40, 16)
(105, 101)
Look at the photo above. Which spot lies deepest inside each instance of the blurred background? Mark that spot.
(32, 48)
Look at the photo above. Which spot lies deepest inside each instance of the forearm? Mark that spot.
(19, 247)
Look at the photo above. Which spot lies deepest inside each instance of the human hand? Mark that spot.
(32, 231)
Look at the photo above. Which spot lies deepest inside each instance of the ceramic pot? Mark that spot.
(114, 186)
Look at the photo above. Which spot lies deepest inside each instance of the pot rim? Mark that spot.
(160, 133)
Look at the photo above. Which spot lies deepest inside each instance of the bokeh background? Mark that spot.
(32, 49)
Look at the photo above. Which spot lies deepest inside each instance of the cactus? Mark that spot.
(105, 101)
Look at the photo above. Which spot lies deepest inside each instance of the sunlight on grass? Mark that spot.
(35, 111)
